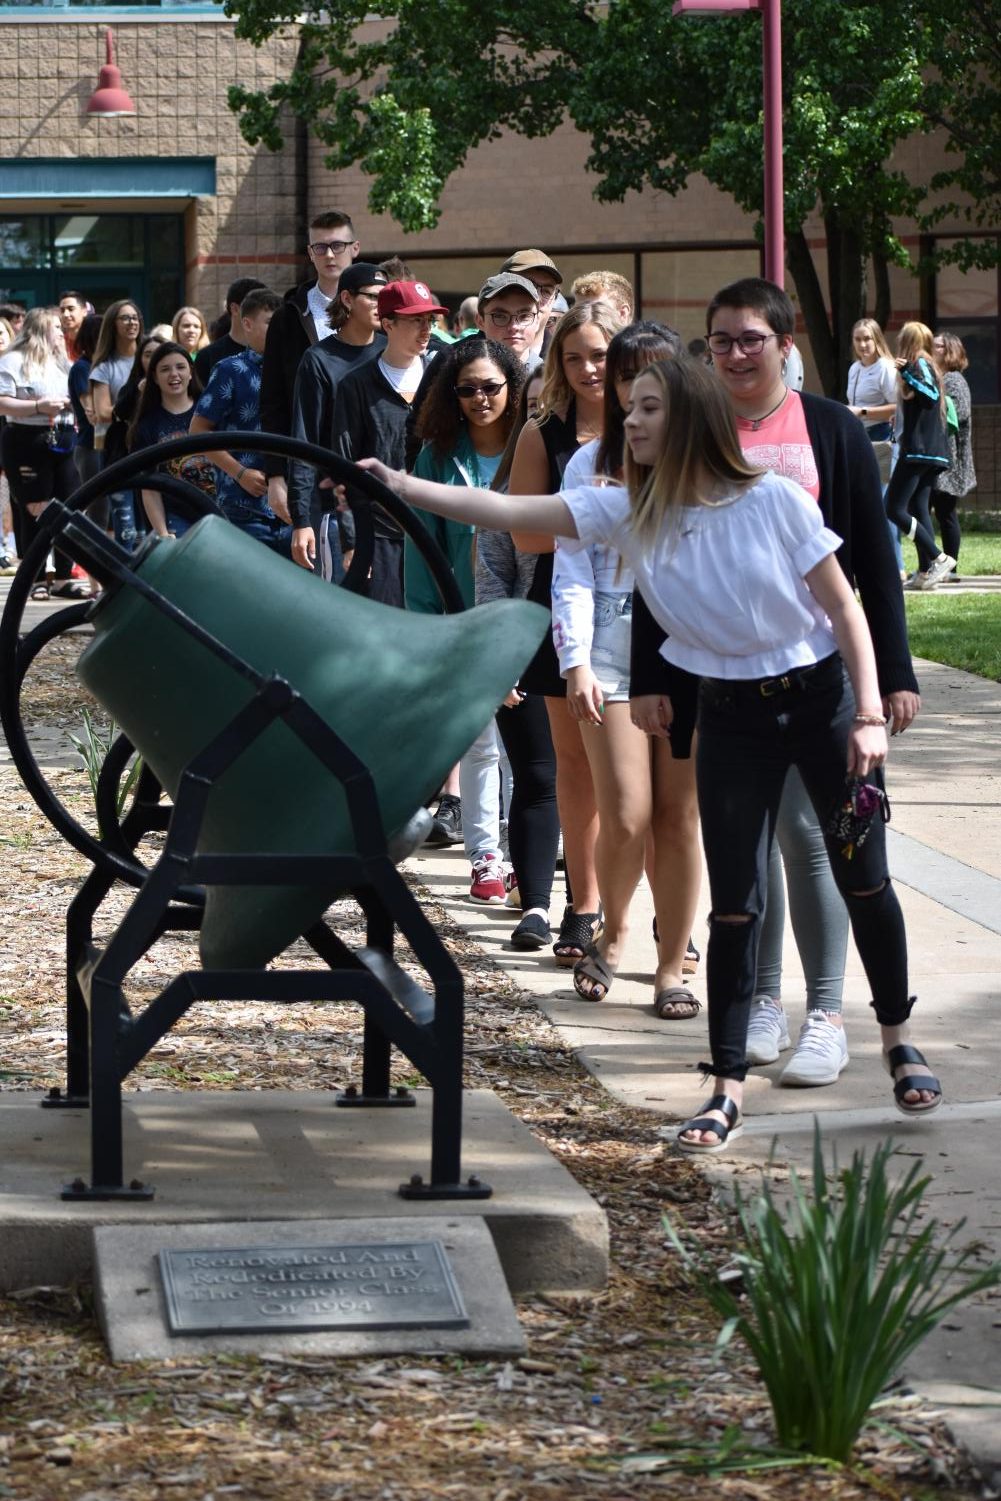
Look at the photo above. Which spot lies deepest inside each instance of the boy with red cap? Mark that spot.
(371, 411)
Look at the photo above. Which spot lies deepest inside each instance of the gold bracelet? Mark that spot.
(873, 719)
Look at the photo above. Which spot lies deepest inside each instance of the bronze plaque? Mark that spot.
(403, 1285)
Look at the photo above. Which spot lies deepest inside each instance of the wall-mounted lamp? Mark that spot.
(109, 98)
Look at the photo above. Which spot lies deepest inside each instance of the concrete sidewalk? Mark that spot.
(944, 780)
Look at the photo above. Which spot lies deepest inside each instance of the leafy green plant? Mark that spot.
(93, 746)
(836, 1291)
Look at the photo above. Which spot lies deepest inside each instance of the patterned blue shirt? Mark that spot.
(232, 400)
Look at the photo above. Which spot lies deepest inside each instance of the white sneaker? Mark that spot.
(940, 568)
(767, 1031)
(821, 1053)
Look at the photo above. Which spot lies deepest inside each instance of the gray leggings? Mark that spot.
(819, 915)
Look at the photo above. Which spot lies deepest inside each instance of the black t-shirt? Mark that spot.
(220, 349)
(160, 425)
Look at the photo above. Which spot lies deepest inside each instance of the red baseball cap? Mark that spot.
(403, 298)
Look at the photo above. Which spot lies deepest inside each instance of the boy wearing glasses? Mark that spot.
(299, 322)
(356, 337)
(544, 274)
(507, 309)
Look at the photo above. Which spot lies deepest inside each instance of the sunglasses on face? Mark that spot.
(489, 388)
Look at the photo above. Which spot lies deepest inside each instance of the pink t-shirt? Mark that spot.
(782, 444)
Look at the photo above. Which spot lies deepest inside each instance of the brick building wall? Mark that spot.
(177, 72)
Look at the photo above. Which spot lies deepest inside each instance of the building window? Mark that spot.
(103, 256)
(968, 303)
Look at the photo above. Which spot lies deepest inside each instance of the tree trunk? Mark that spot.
(811, 301)
(881, 276)
(847, 301)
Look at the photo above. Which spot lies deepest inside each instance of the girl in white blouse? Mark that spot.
(740, 571)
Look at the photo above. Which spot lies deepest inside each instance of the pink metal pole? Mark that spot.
(771, 41)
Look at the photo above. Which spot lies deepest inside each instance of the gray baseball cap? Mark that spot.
(505, 281)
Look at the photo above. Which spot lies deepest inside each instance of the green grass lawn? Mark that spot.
(961, 630)
(980, 554)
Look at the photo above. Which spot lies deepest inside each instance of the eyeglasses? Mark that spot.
(546, 294)
(749, 343)
(501, 319)
(330, 247)
(489, 388)
(127, 318)
(373, 296)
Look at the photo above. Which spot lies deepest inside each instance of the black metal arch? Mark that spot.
(139, 471)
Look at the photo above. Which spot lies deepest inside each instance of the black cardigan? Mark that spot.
(851, 502)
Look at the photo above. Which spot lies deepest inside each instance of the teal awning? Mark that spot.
(95, 177)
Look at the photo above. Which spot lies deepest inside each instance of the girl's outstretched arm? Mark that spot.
(867, 744)
(502, 513)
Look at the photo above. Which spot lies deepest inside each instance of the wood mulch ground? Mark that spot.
(621, 1395)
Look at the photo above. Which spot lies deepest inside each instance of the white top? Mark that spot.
(577, 575)
(113, 373)
(728, 585)
(50, 381)
(403, 378)
(873, 385)
(318, 307)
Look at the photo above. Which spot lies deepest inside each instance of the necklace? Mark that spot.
(757, 421)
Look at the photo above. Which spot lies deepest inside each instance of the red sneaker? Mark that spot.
(488, 880)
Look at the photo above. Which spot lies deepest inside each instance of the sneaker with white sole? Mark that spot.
(767, 1031)
(488, 880)
(820, 1055)
(940, 569)
(513, 895)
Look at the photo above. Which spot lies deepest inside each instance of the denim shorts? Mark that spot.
(610, 644)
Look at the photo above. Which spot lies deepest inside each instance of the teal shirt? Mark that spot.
(455, 538)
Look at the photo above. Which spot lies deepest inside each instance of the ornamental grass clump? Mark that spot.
(92, 747)
(835, 1291)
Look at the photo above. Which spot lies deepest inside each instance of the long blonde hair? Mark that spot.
(203, 337)
(916, 339)
(32, 343)
(871, 327)
(556, 392)
(701, 450)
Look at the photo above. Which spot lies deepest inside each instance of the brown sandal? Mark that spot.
(676, 1004)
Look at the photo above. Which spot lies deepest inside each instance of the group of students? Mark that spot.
(713, 527)
(80, 390)
(916, 409)
(708, 663)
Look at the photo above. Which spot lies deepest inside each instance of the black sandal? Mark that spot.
(724, 1133)
(894, 1059)
(578, 931)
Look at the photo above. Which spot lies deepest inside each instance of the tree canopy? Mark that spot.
(406, 90)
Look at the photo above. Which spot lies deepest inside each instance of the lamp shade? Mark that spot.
(110, 98)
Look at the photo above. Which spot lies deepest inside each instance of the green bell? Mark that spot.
(407, 693)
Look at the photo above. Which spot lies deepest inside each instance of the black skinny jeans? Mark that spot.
(36, 474)
(748, 739)
(533, 820)
(944, 506)
(907, 505)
